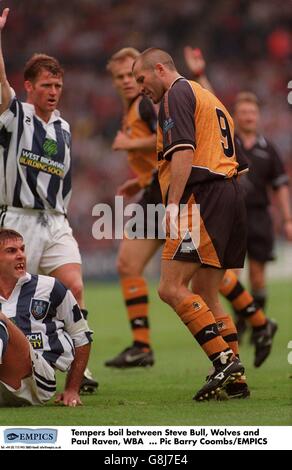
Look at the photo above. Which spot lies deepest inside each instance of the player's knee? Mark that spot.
(127, 267)
(163, 294)
(194, 285)
(200, 289)
(167, 293)
(122, 266)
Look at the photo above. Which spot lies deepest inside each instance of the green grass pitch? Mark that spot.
(162, 395)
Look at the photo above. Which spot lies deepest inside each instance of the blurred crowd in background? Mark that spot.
(247, 44)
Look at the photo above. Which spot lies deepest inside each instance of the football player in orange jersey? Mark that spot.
(197, 166)
(138, 138)
(265, 169)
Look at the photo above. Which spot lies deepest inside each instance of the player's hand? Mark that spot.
(3, 18)
(170, 221)
(129, 188)
(195, 60)
(69, 398)
(121, 142)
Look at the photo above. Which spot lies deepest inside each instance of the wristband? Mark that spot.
(200, 73)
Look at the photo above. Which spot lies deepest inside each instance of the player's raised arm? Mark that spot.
(5, 93)
(197, 65)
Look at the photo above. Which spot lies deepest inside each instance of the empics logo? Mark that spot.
(30, 436)
(12, 436)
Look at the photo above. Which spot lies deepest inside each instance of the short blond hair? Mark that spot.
(121, 55)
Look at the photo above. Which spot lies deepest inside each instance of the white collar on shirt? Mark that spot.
(22, 280)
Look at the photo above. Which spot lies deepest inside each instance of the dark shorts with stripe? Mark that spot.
(148, 221)
(217, 235)
(260, 234)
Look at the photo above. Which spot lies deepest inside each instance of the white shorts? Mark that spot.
(49, 242)
(35, 389)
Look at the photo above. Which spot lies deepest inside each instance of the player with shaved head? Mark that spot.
(197, 166)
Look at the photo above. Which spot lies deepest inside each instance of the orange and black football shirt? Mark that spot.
(140, 121)
(190, 117)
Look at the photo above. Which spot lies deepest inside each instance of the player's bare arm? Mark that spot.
(195, 60)
(124, 142)
(181, 166)
(197, 65)
(70, 396)
(129, 188)
(5, 93)
(145, 144)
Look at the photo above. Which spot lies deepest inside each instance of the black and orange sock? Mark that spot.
(135, 294)
(227, 330)
(198, 318)
(241, 300)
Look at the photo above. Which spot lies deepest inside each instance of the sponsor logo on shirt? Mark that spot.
(167, 125)
(50, 147)
(36, 340)
(42, 163)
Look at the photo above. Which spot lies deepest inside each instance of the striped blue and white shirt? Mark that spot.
(48, 315)
(35, 159)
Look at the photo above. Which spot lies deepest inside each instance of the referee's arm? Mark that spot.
(5, 92)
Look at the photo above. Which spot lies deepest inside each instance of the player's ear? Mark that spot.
(159, 68)
(28, 86)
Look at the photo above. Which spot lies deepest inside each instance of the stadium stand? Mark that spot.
(248, 44)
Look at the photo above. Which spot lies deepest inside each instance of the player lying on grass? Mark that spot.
(35, 188)
(41, 329)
